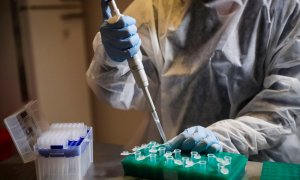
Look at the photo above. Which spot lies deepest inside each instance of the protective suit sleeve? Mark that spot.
(113, 82)
(274, 112)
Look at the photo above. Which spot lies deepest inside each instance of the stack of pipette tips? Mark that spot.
(62, 135)
(64, 151)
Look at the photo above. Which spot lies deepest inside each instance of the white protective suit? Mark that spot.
(230, 65)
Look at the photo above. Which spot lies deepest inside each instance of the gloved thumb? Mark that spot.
(106, 11)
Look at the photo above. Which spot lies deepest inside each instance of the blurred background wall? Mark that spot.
(10, 95)
(45, 50)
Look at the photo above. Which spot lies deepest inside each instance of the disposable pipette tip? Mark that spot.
(145, 89)
(115, 7)
(159, 127)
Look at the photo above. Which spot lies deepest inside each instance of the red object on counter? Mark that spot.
(6, 145)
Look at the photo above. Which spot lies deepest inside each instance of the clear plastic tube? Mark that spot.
(169, 160)
(227, 160)
(211, 158)
(177, 153)
(194, 155)
(161, 151)
(184, 160)
(202, 166)
(153, 158)
(137, 155)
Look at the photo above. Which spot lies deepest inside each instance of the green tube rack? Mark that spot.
(278, 171)
(167, 167)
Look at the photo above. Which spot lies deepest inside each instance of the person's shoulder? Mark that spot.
(141, 10)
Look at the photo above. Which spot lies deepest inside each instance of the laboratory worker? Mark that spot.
(224, 74)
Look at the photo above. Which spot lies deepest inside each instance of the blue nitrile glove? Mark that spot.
(195, 138)
(120, 40)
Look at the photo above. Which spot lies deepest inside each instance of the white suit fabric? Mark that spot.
(230, 65)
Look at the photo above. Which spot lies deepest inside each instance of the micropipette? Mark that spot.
(139, 74)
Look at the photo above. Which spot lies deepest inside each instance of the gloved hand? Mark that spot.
(120, 40)
(195, 138)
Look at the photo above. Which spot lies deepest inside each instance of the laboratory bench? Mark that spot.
(106, 165)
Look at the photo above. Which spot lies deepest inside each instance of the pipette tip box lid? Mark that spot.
(25, 127)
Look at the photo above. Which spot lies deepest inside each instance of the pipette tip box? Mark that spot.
(54, 158)
(153, 162)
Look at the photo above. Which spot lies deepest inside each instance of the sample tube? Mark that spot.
(136, 148)
(194, 155)
(151, 143)
(161, 151)
(137, 155)
(211, 159)
(219, 166)
(184, 160)
(169, 161)
(222, 169)
(168, 153)
(152, 158)
(202, 166)
(227, 160)
(152, 150)
(146, 150)
(177, 153)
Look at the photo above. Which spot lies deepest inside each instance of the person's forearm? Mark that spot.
(247, 134)
(109, 80)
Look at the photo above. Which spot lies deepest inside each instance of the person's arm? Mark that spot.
(112, 81)
(274, 112)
